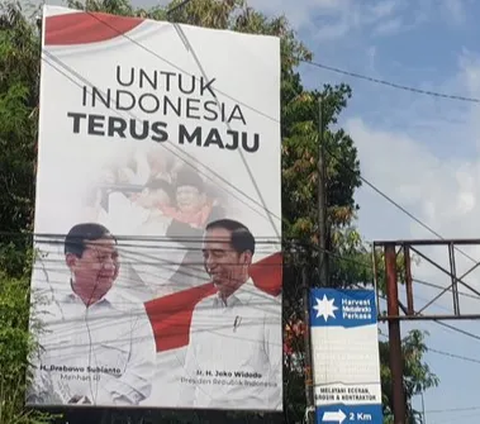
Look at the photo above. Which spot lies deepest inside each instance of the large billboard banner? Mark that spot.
(158, 277)
(345, 356)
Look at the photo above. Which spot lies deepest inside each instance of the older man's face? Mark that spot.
(98, 266)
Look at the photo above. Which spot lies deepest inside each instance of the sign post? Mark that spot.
(346, 363)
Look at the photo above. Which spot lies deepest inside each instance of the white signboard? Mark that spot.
(345, 353)
(158, 215)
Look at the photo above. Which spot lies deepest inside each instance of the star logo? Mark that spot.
(325, 308)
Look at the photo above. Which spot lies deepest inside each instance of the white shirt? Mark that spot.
(105, 353)
(234, 357)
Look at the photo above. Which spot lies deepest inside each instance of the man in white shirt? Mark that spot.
(234, 357)
(98, 346)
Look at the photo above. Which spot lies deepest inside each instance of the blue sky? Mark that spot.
(422, 151)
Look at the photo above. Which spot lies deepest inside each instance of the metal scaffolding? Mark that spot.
(397, 272)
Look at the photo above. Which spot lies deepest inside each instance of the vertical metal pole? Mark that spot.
(453, 271)
(408, 279)
(424, 412)
(375, 277)
(322, 204)
(310, 411)
(396, 360)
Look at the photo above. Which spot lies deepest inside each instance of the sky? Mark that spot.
(422, 151)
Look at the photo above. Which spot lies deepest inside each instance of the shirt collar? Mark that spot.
(107, 300)
(242, 295)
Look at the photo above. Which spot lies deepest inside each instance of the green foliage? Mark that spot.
(16, 344)
(350, 258)
(417, 375)
(19, 65)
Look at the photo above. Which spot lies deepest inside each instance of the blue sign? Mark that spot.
(346, 363)
(342, 414)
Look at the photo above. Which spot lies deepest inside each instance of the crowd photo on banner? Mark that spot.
(158, 271)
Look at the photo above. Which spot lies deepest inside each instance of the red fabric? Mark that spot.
(171, 315)
(267, 274)
(83, 28)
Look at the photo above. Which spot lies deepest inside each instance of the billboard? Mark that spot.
(158, 216)
(345, 356)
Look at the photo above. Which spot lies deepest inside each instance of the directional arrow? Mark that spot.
(334, 416)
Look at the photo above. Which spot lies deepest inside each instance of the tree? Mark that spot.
(19, 67)
(14, 346)
(19, 52)
(417, 375)
(349, 256)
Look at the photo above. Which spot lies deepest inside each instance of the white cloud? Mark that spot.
(389, 27)
(454, 11)
(442, 191)
(302, 13)
(384, 8)
(330, 19)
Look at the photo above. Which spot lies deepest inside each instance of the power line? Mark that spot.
(457, 330)
(389, 198)
(179, 6)
(447, 354)
(373, 187)
(453, 355)
(396, 204)
(436, 286)
(446, 325)
(368, 183)
(391, 84)
(440, 411)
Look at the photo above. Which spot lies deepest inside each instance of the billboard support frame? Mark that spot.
(398, 312)
(394, 335)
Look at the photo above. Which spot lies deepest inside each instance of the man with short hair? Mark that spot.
(99, 348)
(234, 357)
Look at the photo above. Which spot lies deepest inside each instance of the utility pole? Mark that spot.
(322, 267)
(322, 201)
(424, 412)
(310, 411)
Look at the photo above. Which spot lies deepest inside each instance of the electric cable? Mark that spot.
(453, 355)
(178, 7)
(388, 198)
(171, 148)
(395, 203)
(368, 183)
(389, 83)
